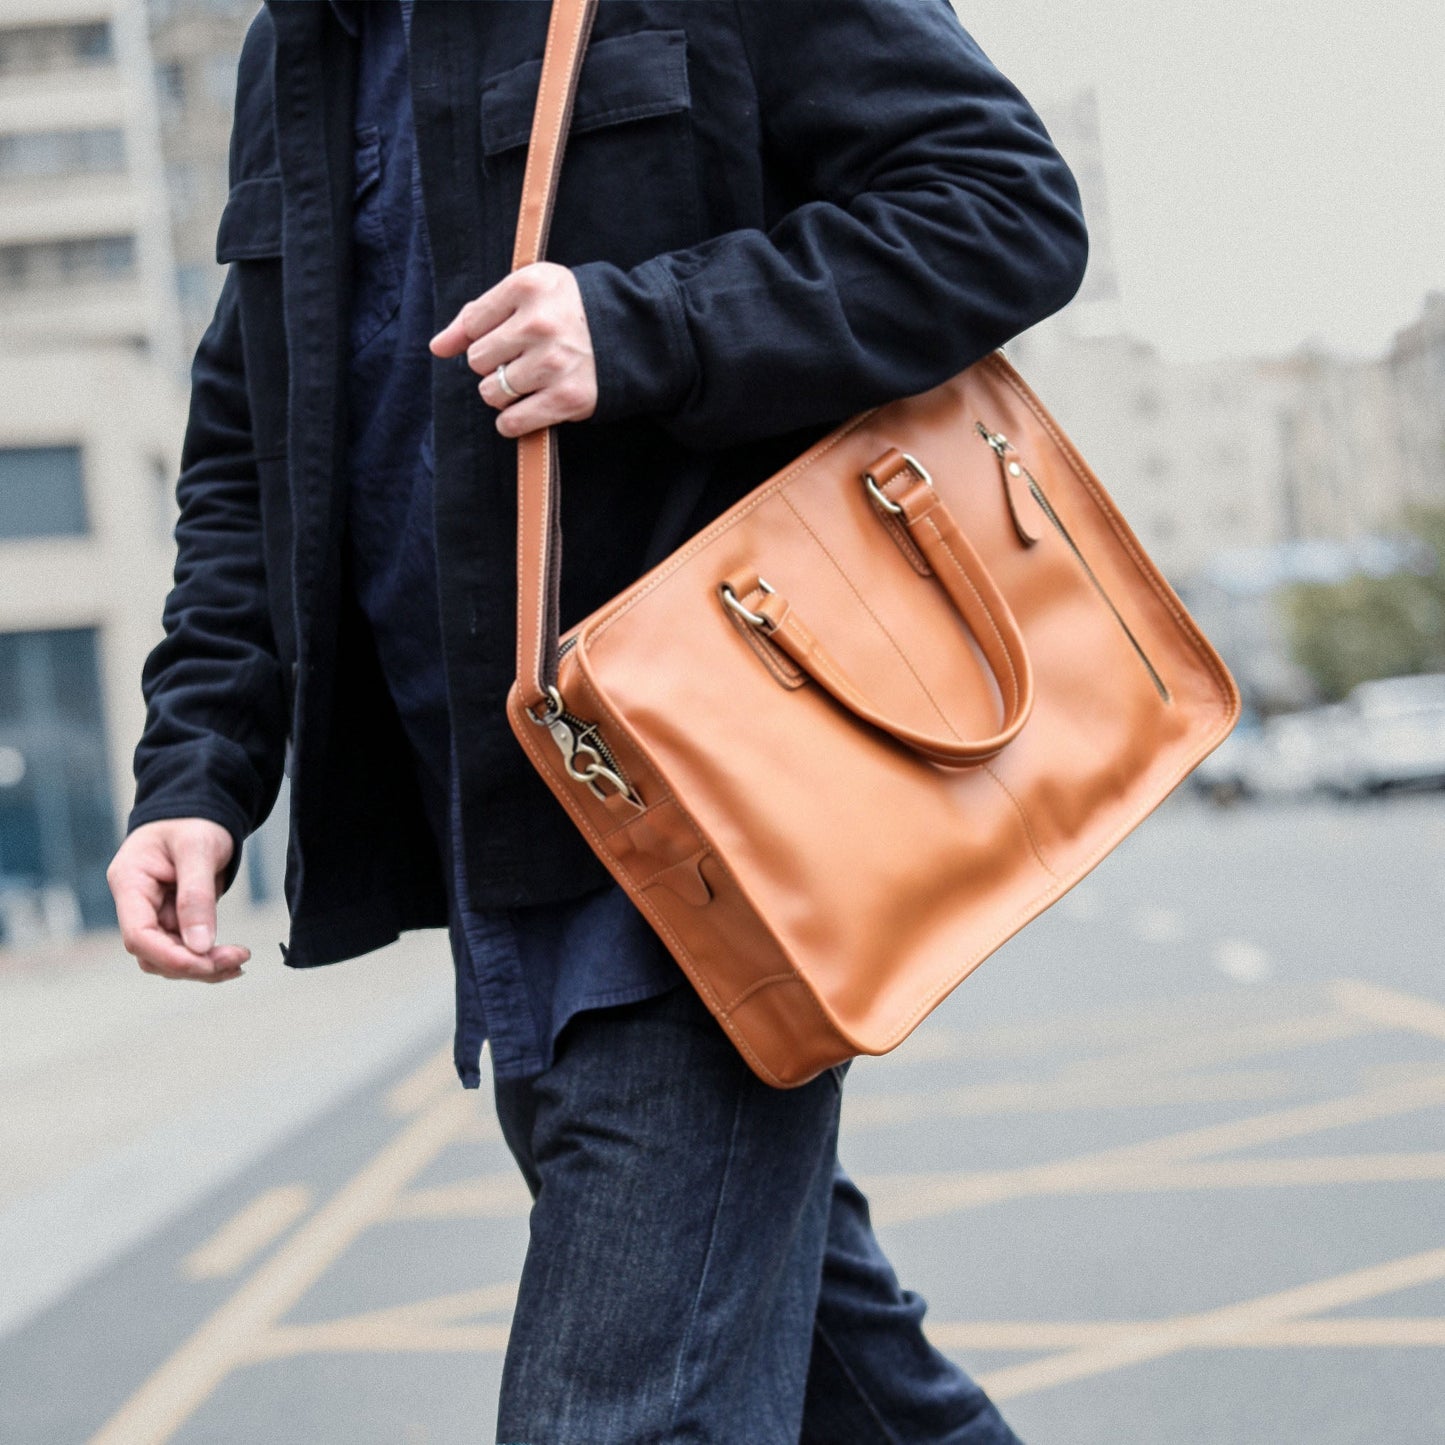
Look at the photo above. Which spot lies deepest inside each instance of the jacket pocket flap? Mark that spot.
(624, 77)
(251, 222)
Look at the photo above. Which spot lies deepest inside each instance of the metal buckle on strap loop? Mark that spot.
(871, 482)
(731, 599)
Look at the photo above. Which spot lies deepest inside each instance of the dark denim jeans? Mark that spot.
(700, 1269)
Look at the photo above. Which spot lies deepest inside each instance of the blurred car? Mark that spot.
(1301, 753)
(1223, 776)
(1395, 732)
(1289, 755)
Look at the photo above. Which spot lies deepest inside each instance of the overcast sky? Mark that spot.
(1276, 168)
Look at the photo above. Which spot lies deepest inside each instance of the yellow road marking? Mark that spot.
(1388, 1008)
(928, 1197)
(1248, 1040)
(1183, 1019)
(1371, 1333)
(237, 1242)
(247, 1327)
(1061, 1095)
(428, 1081)
(1028, 1335)
(1234, 1323)
(1364, 1332)
(344, 1339)
(489, 1196)
(445, 1323)
(229, 1337)
(885, 1191)
(1111, 1080)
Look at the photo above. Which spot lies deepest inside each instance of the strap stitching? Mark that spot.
(987, 612)
(552, 142)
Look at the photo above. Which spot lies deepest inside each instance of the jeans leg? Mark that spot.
(874, 1379)
(677, 1236)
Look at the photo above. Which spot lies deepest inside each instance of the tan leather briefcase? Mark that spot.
(853, 735)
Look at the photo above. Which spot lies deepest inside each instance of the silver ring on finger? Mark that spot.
(501, 375)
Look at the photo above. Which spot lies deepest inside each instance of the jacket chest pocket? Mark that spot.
(249, 240)
(628, 188)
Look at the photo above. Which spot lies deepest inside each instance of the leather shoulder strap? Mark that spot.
(539, 535)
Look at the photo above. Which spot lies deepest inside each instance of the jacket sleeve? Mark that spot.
(216, 722)
(943, 223)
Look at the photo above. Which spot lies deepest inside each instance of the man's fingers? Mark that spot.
(196, 868)
(160, 952)
(165, 879)
(152, 935)
(477, 317)
(529, 414)
(138, 896)
(572, 399)
(524, 288)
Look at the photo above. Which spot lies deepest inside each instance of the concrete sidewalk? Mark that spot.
(108, 1127)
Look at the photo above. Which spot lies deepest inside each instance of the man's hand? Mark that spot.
(532, 320)
(164, 879)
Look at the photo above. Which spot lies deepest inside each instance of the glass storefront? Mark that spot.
(57, 820)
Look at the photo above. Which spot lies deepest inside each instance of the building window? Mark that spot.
(42, 492)
(57, 822)
(34, 49)
(28, 154)
(34, 265)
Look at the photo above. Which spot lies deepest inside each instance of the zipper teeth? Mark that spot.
(1047, 508)
(589, 732)
(590, 735)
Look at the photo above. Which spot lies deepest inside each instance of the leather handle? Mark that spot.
(539, 535)
(960, 572)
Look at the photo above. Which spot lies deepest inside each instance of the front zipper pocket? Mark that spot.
(1001, 444)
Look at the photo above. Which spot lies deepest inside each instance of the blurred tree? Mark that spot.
(1365, 627)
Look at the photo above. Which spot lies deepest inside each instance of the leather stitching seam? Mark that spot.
(1023, 818)
(878, 621)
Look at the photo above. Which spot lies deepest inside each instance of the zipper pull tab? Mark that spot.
(1015, 483)
(565, 739)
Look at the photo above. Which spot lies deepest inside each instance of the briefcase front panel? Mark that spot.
(870, 880)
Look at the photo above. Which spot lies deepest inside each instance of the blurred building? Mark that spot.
(1191, 453)
(89, 430)
(1340, 437)
(1416, 368)
(195, 44)
(1245, 452)
(1188, 452)
(93, 354)
(85, 253)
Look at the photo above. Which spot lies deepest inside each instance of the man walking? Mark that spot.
(771, 214)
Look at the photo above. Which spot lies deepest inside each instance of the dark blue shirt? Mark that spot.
(521, 972)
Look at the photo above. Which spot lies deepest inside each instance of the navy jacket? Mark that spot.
(778, 212)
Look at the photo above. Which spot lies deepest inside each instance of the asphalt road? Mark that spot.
(1170, 1167)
